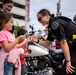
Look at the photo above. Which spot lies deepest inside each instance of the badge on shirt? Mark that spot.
(54, 25)
(74, 36)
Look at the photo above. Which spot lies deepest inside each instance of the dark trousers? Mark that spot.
(23, 69)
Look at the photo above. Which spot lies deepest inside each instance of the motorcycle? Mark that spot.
(44, 61)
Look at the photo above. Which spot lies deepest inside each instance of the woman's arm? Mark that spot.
(45, 43)
(65, 49)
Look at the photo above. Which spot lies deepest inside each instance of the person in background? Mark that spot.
(74, 18)
(24, 54)
(43, 36)
(6, 7)
(23, 27)
(9, 53)
(64, 32)
(44, 32)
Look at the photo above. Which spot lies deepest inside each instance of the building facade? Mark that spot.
(18, 12)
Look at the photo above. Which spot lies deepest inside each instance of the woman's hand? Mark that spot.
(69, 67)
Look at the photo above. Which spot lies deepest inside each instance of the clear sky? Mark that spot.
(68, 9)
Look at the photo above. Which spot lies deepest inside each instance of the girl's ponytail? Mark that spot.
(52, 15)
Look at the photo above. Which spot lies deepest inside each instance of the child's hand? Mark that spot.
(34, 38)
(21, 38)
(29, 39)
(26, 54)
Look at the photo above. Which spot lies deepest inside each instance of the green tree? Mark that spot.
(16, 28)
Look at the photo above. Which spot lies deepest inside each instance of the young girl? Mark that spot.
(9, 54)
(23, 50)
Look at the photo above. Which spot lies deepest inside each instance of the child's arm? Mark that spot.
(23, 43)
(8, 46)
(24, 54)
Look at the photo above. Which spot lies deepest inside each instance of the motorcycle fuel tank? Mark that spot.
(37, 50)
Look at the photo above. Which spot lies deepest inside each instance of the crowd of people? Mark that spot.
(13, 49)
